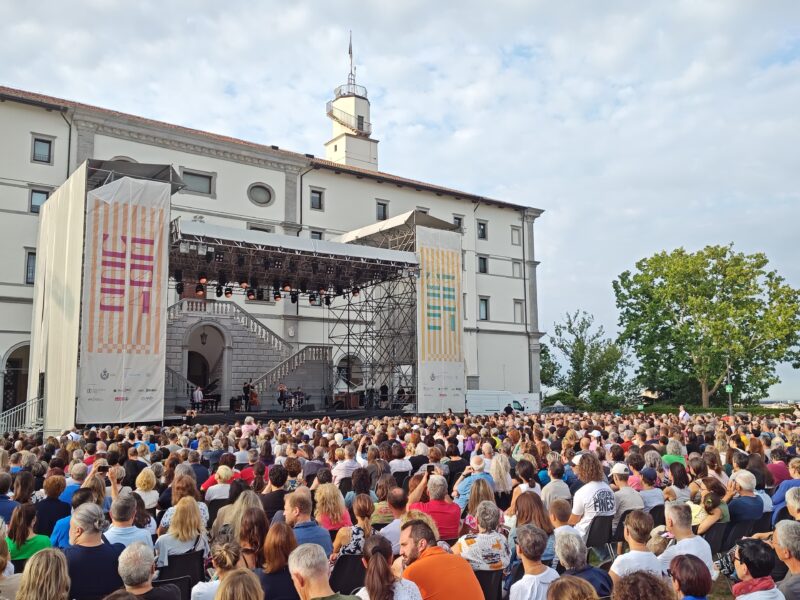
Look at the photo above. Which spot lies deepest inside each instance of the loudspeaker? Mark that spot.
(307, 408)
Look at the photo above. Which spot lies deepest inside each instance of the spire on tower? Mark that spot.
(351, 78)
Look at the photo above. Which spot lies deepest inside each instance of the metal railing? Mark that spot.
(28, 416)
(359, 125)
(350, 89)
(222, 308)
(280, 371)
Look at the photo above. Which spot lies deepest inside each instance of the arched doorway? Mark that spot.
(206, 358)
(350, 372)
(15, 376)
(197, 369)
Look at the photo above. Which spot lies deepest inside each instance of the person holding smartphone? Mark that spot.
(444, 512)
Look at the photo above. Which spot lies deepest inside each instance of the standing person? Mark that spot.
(531, 542)
(246, 395)
(197, 398)
(683, 416)
(379, 581)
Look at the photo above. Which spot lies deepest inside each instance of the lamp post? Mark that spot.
(729, 387)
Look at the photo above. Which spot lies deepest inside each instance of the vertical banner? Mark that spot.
(441, 372)
(123, 321)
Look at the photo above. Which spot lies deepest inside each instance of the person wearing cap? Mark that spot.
(467, 479)
(626, 497)
(650, 494)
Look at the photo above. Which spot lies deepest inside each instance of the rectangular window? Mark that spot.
(483, 230)
(483, 264)
(458, 221)
(519, 311)
(30, 267)
(516, 236)
(316, 235)
(198, 182)
(483, 309)
(42, 149)
(317, 200)
(38, 197)
(381, 211)
(516, 269)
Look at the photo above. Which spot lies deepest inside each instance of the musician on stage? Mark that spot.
(299, 397)
(246, 395)
(197, 398)
(283, 395)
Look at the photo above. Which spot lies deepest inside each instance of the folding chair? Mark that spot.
(188, 565)
(657, 512)
(764, 524)
(184, 585)
(348, 574)
(491, 583)
(714, 536)
(734, 533)
(599, 533)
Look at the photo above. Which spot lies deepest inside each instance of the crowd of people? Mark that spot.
(524, 506)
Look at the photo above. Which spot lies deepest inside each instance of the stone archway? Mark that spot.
(15, 375)
(207, 348)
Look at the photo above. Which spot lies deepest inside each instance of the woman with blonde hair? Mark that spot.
(240, 584)
(45, 576)
(8, 583)
(480, 492)
(225, 557)
(185, 534)
(350, 540)
(146, 488)
(331, 512)
(230, 516)
(222, 489)
(182, 486)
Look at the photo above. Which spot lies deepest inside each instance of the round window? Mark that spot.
(260, 193)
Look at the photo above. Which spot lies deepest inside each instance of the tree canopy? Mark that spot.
(702, 314)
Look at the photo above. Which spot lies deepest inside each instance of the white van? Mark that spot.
(488, 402)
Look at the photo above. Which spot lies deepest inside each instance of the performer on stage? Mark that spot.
(246, 395)
(283, 395)
(197, 398)
(253, 396)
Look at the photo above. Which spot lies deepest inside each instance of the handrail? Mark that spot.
(29, 415)
(295, 361)
(350, 89)
(174, 378)
(348, 120)
(225, 308)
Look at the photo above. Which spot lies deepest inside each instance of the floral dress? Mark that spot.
(356, 543)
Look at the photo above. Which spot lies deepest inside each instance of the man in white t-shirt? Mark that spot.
(531, 543)
(626, 497)
(595, 497)
(638, 526)
(679, 524)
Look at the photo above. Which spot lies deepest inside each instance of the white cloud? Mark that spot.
(637, 126)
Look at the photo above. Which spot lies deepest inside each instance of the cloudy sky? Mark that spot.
(637, 127)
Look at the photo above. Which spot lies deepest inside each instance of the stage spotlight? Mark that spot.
(327, 300)
(278, 263)
(330, 270)
(251, 294)
(183, 247)
(240, 260)
(243, 281)
(228, 292)
(312, 298)
(287, 287)
(202, 249)
(219, 257)
(276, 296)
(199, 290)
(179, 288)
(202, 278)
(219, 291)
(293, 297)
(354, 292)
(260, 294)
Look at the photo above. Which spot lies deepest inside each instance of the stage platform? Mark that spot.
(229, 418)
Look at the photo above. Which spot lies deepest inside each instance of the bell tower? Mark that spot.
(351, 142)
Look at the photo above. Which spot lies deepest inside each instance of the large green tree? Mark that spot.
(594, 364)
(549, 369)
(705, 314)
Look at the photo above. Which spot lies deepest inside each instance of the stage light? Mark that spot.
(278, 263)
(202, 278)
(228, 292)
(179, 288)
(276, 296)
(219, 291)
(312, 298)
(202, 249)
(183, 247)
(199, 290)
(327, 300)
(243, 281)
(330, 270)
(219, 257)
(287, 287)
(260, 294)
(293, 297)
(354, 292)
(251, 294)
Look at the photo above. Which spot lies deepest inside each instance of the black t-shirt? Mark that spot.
(278, 585)
(272, 502)
(48, 511)
(162, 592)
(93, 570)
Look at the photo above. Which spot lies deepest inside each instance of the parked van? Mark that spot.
(488, 402)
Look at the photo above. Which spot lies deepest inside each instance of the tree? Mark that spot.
(593, 362)
(706, 314)
(549, 369)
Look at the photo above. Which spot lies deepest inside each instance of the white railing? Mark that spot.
(222, 308)
(350, 89)
(28, 416)
(277, 374)
(360, 126)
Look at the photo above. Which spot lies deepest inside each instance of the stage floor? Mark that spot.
(229, 418)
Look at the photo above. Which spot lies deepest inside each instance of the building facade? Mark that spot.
(236, 183)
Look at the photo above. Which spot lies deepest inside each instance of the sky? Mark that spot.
(637, 126)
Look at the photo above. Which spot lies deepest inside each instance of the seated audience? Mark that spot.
(122, 530)
(330, 512)
(225, 556)
(308, 566)
(595, 497)
(136, 569)
(679, 523)
(186, 533)
(274, 575)
(642, 585)
(637, 528)
(22, 540)
(350, 540)
(567, 587)
(50, 509)
(560, 513)
(380, 582)
(240, 584)
(486, 550)
(572, 555)
(9, 583)
(754, 561)
(446, 514)
(690, 577)
(273, 494)
(46, 576)
(531, 542)
(297, 513)
(743, 504)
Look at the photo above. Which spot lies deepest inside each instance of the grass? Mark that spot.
(721, 589)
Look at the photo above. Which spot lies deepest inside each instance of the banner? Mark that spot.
(441, 373)
(123, 320)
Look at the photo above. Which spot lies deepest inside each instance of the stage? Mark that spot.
(229, 418)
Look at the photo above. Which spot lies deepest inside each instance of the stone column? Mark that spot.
(534, 335)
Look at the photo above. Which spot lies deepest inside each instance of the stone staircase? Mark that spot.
(309, 368)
